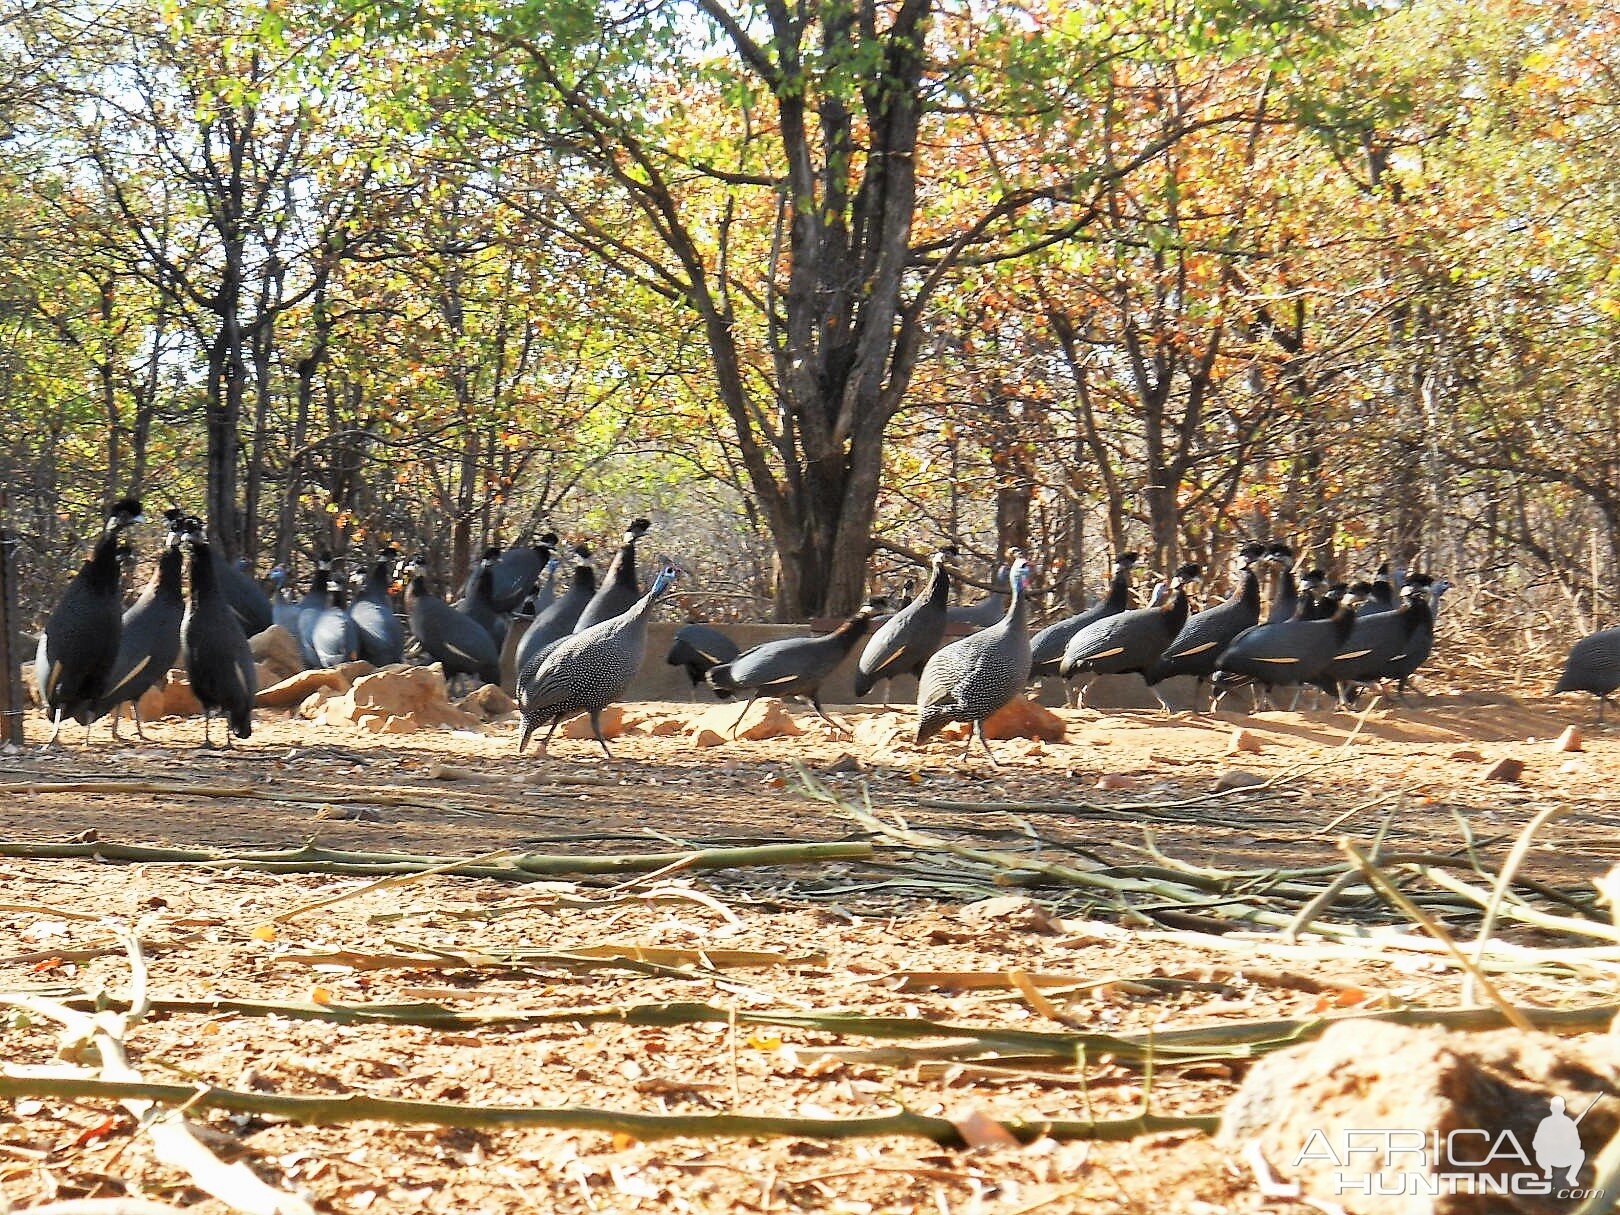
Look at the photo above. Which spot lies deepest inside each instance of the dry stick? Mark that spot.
(1397, 896)
(173, 1140)
(1515, 858)
(1309, 912)
(405, 879)
(104, 1206)
(356, 1107)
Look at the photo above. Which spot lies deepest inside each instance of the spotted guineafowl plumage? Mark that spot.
(905, 642)
(588, 670)
(219, 661)
(1593, 665)
(377, 630)
(1047, 646)
(557, 621)
(79, 645)
(970, 679)
(150, 642)
(794, 667)
(619, 590)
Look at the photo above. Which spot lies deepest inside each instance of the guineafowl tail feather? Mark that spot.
(863, 683)
(720, 678)
(930, 724)
(242, 722)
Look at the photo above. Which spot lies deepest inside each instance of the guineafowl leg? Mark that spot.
(744, 713)
(545, 743)
(815, 702)
(207, 718)
(56, 727)
(978, 732)
(112, 719)
(135, 712)
(1294, 703)
(1164, 705)
(1080, 692)
(596, 728)
(1602, 701)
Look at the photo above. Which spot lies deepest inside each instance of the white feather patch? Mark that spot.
(1197, 649)
(1118, 649)
(1279, 661)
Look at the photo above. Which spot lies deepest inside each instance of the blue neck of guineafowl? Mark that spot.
(1017, 616)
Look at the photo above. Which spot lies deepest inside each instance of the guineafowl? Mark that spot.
(619, 590)
(219, 661)
(1206, 635)
(457, 642)
(1047, 646)
(77, 650)
(243, 592)
(312, 605)
(517, 573)
(150, 641)
(546, 593)
(1129, 642)
(1377, 640)
(1285, 598)
(1382, 598)
(378, 633)
(558, 620)
(1289, 653)
(795, 666)
(905, 642)
(1420, 645)
(970, 679)
(333, 637)
(588, 670)
(479, 603)
(1593, 665)
(284, 608)
(986, 611)
(700, 648)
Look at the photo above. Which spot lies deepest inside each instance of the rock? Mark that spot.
(878, 733)
(414, 693)
(1023, 718)
(1010, 911)
(296, 689)
(277, 648)
(844, 763)
(705, 737)
(1237, 778)
(1569, 740)
(664, 727)
(579, 726)
(1467, 755)
(488, 703)
(267, 674)
(1506, 769)
(352, 671)
(171, 698)
(1477, 1102)
(766, 718)
(1244, 741)
(311, 707)
(1118, 780)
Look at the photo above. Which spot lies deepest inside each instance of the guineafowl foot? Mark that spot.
(978, 732)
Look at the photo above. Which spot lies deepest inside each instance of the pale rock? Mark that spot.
(1467, 755)
(296, 689)
(766, 718)
(878, 732)
(1569, 740)
(579, 726)
(1119, 781)
(845, 763)
(277, 648)
(664, 727)
(172, 697)
(488, 703)
(1505, 769)
(1244, 741)
(352, 671)
(312, 704)
(705, 737)
(1237, 778)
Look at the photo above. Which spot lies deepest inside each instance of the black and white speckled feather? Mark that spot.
(557, 621)
(588, 670)
(970, 679)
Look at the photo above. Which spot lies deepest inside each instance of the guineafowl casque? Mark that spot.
(74, 660)
(970, 679)
(1593, 665)
(557, 621)
(378, 632)
(1203, 638)
(219, 661)
(150, 642)
(619, 589)
(517, 573)
(905, 642)
(700, 648)
(588, 670)
(986, 611)
(1047, 646)
(479, 603)
(1129, 642)
(457, 642)
(794, 667)
(1289, 653)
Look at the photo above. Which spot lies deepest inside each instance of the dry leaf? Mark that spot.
(979, 1130)
(264, 932)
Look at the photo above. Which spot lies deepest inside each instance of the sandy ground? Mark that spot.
(883, 938)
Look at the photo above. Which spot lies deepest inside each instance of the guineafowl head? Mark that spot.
(1190, 572)
(1019, 571)
(582, 555)
(1281, 556)
(1251, 553)
(1125, 560)
(665, 580)
(122, 513)
(1356, 593)
(323, 560)
(546, 544)
(637, 529)
(942, 555)
(1314, 581)
(492, 554)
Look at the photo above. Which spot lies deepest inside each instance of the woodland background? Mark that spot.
(816, 285)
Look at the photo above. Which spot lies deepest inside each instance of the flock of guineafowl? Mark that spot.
(584, 643)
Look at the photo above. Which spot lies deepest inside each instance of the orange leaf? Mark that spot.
(978, 1129)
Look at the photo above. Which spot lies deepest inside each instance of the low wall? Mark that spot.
(660, 681)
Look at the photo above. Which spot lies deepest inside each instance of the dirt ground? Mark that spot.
(886, 937)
